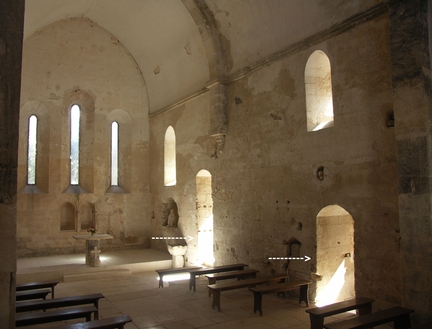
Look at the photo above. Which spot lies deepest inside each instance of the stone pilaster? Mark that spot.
(218, 117)
(11, 38)
(412, 109)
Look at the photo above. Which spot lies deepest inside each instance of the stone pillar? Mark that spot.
(11, 38)
(411, 71)
(92, 253)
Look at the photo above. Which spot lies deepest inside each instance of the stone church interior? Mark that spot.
(289, 135)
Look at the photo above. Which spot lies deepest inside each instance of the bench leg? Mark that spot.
(216, 299)
(304, 294)
(257, 302)
(402, 322)
(317, 322)
(192, 282)
(366, 309)
(160, 281)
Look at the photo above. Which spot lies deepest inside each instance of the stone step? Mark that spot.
(109, 274)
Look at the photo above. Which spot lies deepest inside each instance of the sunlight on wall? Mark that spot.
(205, 242)
(331, 291)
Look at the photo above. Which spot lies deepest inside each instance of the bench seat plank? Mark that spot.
(280, 287)
(116, 322)
(239, 275)
(37, 285)
(217, 288)
(26, 319)
(210, 270)
(177, 270)
(60, 302)
(400, 316)
(317, 314)
(32, 294)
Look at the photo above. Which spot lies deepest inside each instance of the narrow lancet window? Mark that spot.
(170, 157)
(114, 153)
(32, 150)
(74, 147)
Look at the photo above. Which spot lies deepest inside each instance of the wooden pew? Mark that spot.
(60, 302)
(116, 322)
(37, 285)
(280, 287)
(400, 317)
(363, 306)
(26, 319)
(167, 271)
(32, 294)
(209, 270)
(239, 275)
(217, 288)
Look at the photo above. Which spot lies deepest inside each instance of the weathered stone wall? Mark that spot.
(77, 62)
(265, 185)
(411, 74)
(11, 34)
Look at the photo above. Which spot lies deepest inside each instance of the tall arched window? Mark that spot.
(319, 98)
(170, 157)
(114, 153)
(74, 144)
(32, 150)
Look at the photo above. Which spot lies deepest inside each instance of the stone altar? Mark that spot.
(92, 247)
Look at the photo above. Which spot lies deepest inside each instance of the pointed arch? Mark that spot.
(319, 97)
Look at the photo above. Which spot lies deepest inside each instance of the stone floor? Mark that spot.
(175, 306)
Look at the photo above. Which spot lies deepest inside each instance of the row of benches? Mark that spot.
(26, 315)
(277, 284)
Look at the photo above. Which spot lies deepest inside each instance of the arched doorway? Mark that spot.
(204, 218)
(335, 255)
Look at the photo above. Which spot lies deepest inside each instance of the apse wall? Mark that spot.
(273, 177)
(76, 62)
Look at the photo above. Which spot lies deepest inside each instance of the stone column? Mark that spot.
(11, 38)
(409, 44)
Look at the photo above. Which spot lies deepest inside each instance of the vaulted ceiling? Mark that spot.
(181, 46)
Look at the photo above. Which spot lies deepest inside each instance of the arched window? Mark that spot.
(74, 145)
(114, 153)
(319, 98)
(32, 150)
(170, 157)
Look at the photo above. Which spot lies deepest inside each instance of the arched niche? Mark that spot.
(86, 216)
(335, 255)
(319, 96)
(68, 217)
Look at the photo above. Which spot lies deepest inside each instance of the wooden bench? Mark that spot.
(209, 270)
(239, 275)
(26, 319)
(167, 271)
(60, 302)
(280, 287)
(363, 306)
(400, 317)
(37, 285)
(217, 288)
(32, 294)
(116, 322)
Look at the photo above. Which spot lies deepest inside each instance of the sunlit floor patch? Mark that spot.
(175, 277)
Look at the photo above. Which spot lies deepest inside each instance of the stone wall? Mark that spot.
(264, 180)
(77, 62)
